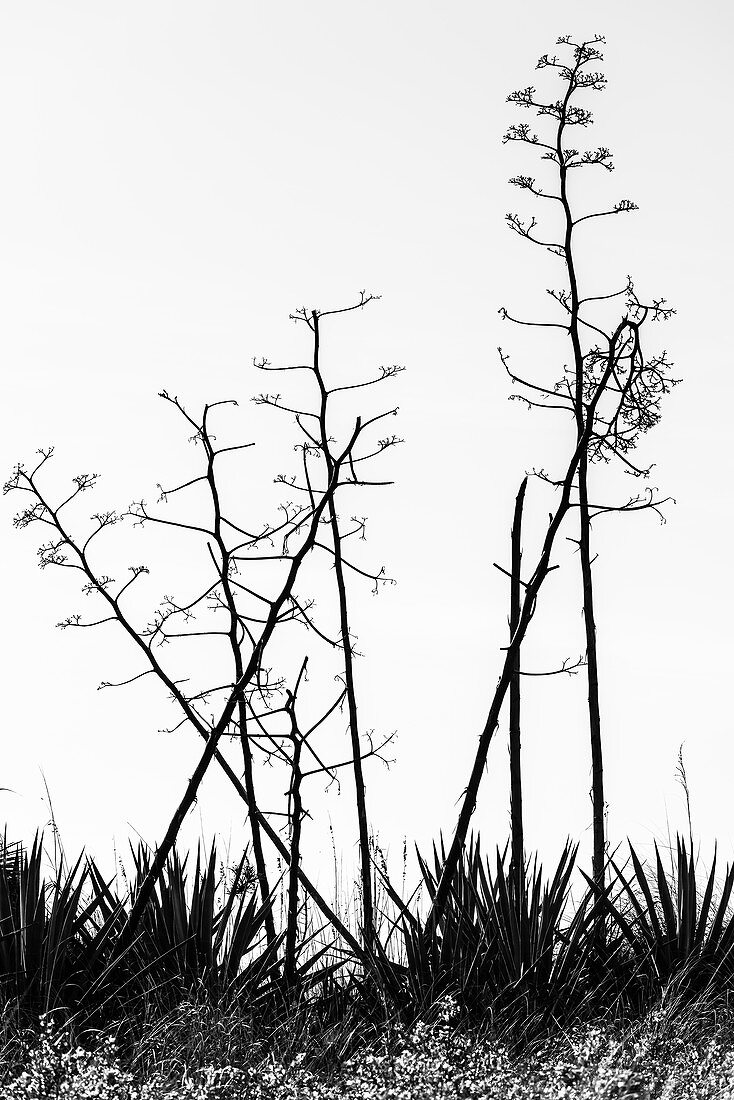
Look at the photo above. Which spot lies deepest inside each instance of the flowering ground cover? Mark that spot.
(690, 1058)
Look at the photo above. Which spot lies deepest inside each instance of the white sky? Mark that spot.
(177, 177)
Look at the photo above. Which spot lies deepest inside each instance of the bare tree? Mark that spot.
(230, 608)
(635, 400)
(622, 369)
(315, 425)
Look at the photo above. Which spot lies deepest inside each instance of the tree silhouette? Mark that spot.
(634, 400)
(315, 426)
(240, 604)
(612, 392)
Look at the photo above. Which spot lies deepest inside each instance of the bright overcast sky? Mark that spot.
(177, 177)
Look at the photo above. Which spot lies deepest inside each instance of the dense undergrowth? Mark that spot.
(666, 1053)
(522, 986)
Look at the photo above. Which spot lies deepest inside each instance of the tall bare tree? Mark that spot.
(613, 393)
(638, 405)
(241, 603)
(316, 425)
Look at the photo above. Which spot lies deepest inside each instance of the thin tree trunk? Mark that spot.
(597, 763)
(516, 816)
(368, 923)
(290, 970)
(257, 845)
(234, 630)
(584, 426)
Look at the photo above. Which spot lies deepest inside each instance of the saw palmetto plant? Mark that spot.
(669, 926)
(501, 947)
